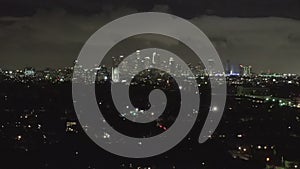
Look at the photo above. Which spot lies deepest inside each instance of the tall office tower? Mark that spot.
(228, 67)
(154, 58)
(172, 66)
(137, 62)
(211, 67)
(124, 66)
(115, 74)
(147, 62)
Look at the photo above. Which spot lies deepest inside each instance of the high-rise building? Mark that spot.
(115, 73)
(153, 58)
(211, 67)
(172, 65)
(228, 67)
(147, 62)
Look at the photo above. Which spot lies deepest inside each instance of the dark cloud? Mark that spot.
(48, 38)
(183, 8)
(267, 43)
(53, 37)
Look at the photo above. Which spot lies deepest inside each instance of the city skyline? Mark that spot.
(229, 69)
(150, 84)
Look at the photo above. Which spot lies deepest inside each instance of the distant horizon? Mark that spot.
(57, 68)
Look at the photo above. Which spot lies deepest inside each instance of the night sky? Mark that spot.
(50, 33)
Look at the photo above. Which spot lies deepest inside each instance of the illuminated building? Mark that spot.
(246, 70)
(71, 126)
(115, 74)
(153, 58)
(29, 72)
(211, 65)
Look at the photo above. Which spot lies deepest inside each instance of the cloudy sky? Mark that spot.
(44, 33)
